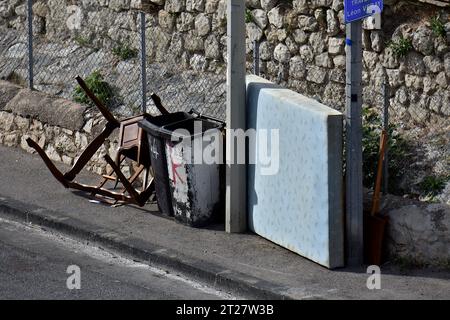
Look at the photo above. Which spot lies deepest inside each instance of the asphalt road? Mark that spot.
(34, 263)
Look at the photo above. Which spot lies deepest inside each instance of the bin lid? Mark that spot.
(154, 125)
(190, 125)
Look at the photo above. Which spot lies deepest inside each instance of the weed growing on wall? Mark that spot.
(248, 16)
(125, 52)
(16, 78)
(98, 86)
(82, 41)
(401, 47)
(433, 185)
(438, 27)
(397, 146)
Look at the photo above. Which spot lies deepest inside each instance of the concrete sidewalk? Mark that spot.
(243, 263)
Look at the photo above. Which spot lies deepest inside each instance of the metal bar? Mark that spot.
(143, 64)
(256, 69)
(30, 43)
(354, 186)
(236, 187)
(386, 95)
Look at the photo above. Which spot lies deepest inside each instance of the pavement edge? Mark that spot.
(137, 249)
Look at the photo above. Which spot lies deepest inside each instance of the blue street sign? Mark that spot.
(359, 9)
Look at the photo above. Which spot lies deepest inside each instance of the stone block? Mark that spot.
(8, 91)
(50, 110)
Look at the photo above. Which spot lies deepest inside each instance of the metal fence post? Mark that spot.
(256, 57)
(30, 42)
(386, 128)
(354, 186)
(143, 64)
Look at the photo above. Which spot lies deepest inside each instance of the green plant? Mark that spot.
(16, 78)
(405, 264)
(82, 41)
(438, 27)
(98, 86)
(397, 146)
(61, 148)
(124, 52)
(401, 47)
(222, 23)
(432, 185)
(248, 16)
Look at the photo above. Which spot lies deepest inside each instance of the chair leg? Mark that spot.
(54, 171)
(136, 174)
(111, 172)
(145, 195)
(145, 180)
(126, 184)
(90, 150)
(119, 159)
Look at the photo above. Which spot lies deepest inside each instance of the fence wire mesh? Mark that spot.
(184, 73)
(113, 75)
(14, 54)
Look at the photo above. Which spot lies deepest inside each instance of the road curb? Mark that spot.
(137, 249)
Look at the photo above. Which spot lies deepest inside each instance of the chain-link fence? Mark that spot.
(184, 73)
(113, 75)
(14, 54)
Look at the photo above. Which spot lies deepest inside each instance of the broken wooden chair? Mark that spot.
(133, 145)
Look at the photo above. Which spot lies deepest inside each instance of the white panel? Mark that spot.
(300, 207)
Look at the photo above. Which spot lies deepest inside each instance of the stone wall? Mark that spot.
(417, 233)
(420, 233)
(304, 39)
(62, 128)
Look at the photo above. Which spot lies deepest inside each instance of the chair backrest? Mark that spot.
(133, 140)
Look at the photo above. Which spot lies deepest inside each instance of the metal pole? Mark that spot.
(354, 187)
(386, 128)
(256, 57)
(236, 178)
(30, 43)
(143, 64)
